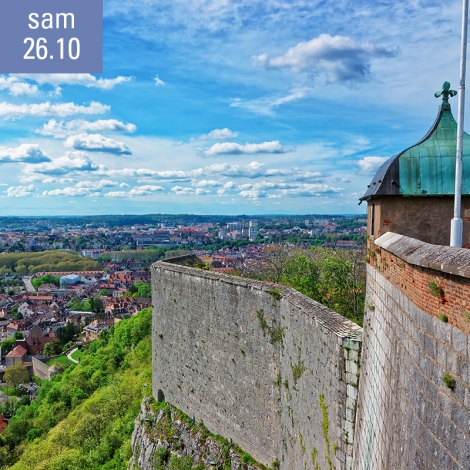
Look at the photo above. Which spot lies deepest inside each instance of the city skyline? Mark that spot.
(219, 107)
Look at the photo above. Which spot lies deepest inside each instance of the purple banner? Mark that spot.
(51, 36)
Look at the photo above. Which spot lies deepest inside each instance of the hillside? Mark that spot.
(83, 419)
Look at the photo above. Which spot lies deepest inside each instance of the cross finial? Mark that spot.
(445, 93)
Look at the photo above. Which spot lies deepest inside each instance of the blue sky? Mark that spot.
(228, 107)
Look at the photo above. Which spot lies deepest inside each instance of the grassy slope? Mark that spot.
(83, 420)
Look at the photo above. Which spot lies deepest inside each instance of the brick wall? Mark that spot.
(408, 417)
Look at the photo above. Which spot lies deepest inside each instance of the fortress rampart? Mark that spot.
(278, 373)
(259, 363)
(414, 393)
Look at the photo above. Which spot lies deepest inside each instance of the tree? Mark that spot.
(48, 350)
(18, 334)
(66, 334)
(15, 375)
(97, 305)
(104, 292)
(7, 344)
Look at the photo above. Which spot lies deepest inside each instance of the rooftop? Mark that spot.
(428, 167)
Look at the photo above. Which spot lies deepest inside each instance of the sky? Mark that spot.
(228, 107)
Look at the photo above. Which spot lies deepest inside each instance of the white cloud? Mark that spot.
(338, 57)
(72, 192)
(218, 134)
(158, 82)
(232, 148)
(21, 191)
(124, 185)
(206, 184)
(97, 143)
(252, 170)
(96, 184)
(145, 190)
(187, 191)
(44, 109)
(265, 106)
(84, 79)
(25, 153)
(63, 129)
(117, 194)
(17, 87)
(70, 162)
(370, 165)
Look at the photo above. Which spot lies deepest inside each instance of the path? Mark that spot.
(28, 285)
(69, 355)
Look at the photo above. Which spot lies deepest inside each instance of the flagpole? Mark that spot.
(456, 225)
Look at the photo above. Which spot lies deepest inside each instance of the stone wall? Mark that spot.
(259, 363)
(41, 370)
(416, 344)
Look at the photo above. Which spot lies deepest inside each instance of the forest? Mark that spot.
(51, 260)
(84, 418)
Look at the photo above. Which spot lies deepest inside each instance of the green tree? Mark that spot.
(48, 350)
(7, 344)
(66, 334)
(15, 375)
(104, 292)
(18, 334)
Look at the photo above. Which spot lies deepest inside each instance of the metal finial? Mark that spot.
(445, 93)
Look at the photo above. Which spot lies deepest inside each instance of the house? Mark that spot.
(15, 356)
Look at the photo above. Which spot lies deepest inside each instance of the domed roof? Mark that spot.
(428, 167)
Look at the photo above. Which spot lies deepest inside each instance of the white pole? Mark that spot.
(456, 225)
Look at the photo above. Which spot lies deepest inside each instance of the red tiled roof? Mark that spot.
(19, 351)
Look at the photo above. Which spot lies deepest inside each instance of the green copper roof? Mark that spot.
(428, 167)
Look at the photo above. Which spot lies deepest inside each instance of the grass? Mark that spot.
(77, 355)
(60, 360)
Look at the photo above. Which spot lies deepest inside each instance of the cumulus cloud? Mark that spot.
(218, 134)
(252, 170)
(70, 162)
(72, 192)
(63, 129)
(117, 194)
(97, 143)
(158, 81)
(21, 191)
(84, 79)
(207, 184)
(25, 153)
(232, 148)
(339, 58)
(145, 190)
(96, 184)
(47, 108)
(370, 165)
(187, 191)
(17, 87)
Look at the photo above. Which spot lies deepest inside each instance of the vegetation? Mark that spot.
(83, 419)
(435, 289)
(335, 278)
(64, 360)
(15, 375)
(51, 260)
(449, 381)
(140, 289)
(7, 345)
(47, 279)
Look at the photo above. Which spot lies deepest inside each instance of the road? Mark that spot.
(27, 284)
